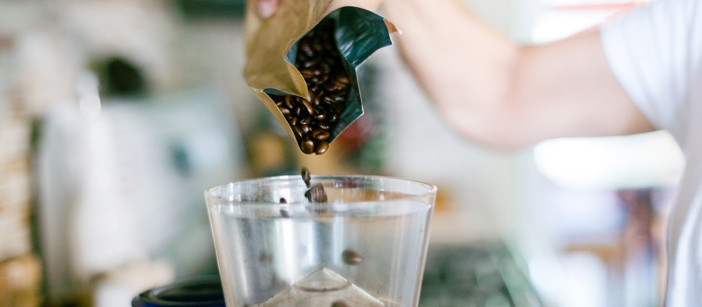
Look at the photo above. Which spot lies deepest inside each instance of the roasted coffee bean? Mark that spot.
(351, 257)
(307, 50)
(283, 212)
(320, 116)
(330, 87)
(288, 102)
(265, 257)
(323, 126)
(305, 128)
(340, 304)
(308, 107)
(309, 64)
(307, 146)
(321, 148)
(321, 135)
(296, 111)
(342, 79)
(293, 121)
(316, 194)
(306, 177)
(297, 131)
(307, 73)
(285, 111)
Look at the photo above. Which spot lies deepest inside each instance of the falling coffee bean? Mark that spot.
(265, 257)
(340, 304)
(306, 177)
(328, 84)
(351, 257)
(316, 194)
(283, 212)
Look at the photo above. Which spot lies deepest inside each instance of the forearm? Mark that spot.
(464, 66)
(504, 95)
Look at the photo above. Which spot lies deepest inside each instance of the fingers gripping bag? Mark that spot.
(302, 62)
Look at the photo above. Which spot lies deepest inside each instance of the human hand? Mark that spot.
(266, 8)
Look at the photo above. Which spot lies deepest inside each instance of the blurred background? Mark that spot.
(115, 115)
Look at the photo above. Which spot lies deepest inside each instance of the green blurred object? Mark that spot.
(203, 9)
(479, 274)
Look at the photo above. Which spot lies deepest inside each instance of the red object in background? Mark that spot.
(357, 134)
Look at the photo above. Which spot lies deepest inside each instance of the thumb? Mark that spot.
(266, 8)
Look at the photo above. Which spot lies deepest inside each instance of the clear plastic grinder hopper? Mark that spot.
(365, 247)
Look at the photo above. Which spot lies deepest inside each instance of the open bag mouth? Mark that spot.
(310, 84)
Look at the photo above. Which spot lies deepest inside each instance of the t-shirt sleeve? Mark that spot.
(654, 52)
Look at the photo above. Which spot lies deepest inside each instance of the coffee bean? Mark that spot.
(321, 147)
(307, 73)
(320, 116)
(288, 102)
(297, 131)
(309, 64)
(308, 106)
(340, 304)
(351, 257)
(307, 146)
(316, 194)
(306, 177)
(321, 135)
(296, 111)
(265, 257)
(330, 87)
(343, 80)
(284, 213)
(323, 126)
(307, 50)
(285, 111)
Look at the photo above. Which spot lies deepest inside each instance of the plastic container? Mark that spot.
(365, 247)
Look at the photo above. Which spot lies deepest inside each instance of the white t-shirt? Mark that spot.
(656, 54)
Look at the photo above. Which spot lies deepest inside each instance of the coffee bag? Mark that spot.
(302, 63)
